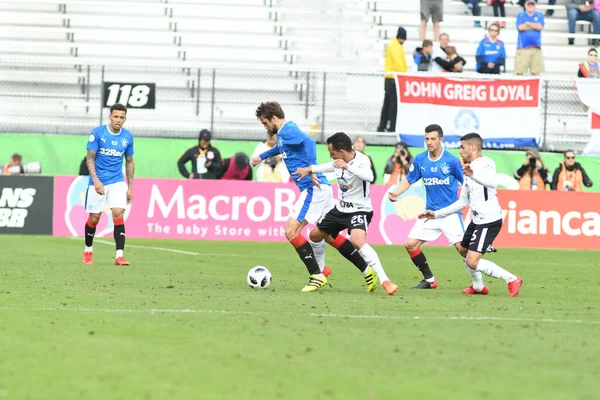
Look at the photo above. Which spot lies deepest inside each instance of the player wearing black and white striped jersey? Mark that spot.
(479, 190)
(353, 210)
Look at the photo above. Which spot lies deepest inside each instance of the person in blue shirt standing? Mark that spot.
(107, 146)
(299, 150)
(441, 173)
(491, 53)
(530, 24)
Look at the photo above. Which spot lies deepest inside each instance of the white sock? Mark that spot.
(119, 253)
(476, 278)
(495, 271)
(372, 259)
(319, 250)
(89, 249)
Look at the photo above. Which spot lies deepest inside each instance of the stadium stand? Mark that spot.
(214, 61)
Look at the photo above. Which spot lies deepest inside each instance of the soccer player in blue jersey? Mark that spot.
(299, 150)
(107, 146)
(441, 173)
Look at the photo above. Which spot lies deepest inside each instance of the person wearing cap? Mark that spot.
(395, 61)
(529, 43)
(533, 174)
(582, 10)
(435, 10)
(206, 159)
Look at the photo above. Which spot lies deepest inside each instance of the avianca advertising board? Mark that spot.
(252, 211)
(504, 111)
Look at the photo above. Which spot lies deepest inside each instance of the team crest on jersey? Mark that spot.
(343, 184)
(445, 169)
(114, 142)
(124, 142)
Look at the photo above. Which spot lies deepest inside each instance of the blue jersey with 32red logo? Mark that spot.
(111, 149)
(440, 178)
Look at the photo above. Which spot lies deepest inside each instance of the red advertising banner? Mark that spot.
(469, 93)
(253, 211)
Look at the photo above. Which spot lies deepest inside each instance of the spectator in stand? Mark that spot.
(453, 62)
(272, 169)
(473, 7)
(589, 68)
(439, 51)
(395, 61)
(491, 53)
(529, 43)
(422, 57)
(499, 9)
(359, 145)
(570, 175)
(582, 10)
(206, 159)
(397, 165)
(533, 174)
(435, 10)
(237, 168)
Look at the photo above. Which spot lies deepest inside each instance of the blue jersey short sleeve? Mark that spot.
(414, 172)
(440, 178)
(298, 151)
(110, 150)
(93, 141)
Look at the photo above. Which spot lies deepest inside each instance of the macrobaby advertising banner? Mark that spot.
(253, 211)
(505, 112)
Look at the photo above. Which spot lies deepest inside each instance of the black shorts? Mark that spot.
(480, 237)
(336, 221)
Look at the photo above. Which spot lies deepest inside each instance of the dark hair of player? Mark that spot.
(434, 128)
(340, 141)
(118, 107)
(474, 138)
(270, 109)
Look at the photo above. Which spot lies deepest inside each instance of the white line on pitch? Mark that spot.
(359, 316)
(136, 246)
(458, 318)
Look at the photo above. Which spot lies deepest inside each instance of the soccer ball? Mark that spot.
(259, 277)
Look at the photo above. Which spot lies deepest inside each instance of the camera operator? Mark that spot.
(16, 167)
(570, 175)
(273, 168)
(532, 175)
(397, 165)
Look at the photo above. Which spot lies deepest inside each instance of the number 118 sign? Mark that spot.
(132, 95)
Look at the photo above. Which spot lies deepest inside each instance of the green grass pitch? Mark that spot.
(185, 325)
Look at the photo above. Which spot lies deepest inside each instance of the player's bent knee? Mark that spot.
(411, 245)
(95, 218)
(358, 243)
(118, 212)
(316, 235)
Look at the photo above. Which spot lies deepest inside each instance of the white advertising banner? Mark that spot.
(589, 94)
(505, 112)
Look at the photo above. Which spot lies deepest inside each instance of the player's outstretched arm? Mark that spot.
(129, 171)
(361, 171)
(455, 207)
(269, 153)
(90, 161)
(427, 215)
(402, 187)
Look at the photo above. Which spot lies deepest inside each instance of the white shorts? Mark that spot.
(313, 204)
(430, 229)
(115, 196)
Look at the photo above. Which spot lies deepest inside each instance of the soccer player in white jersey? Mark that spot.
(479, 190)
(354, 210)
(107, 146)
(441, 172)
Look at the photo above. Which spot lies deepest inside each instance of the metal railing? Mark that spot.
(63, 95)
